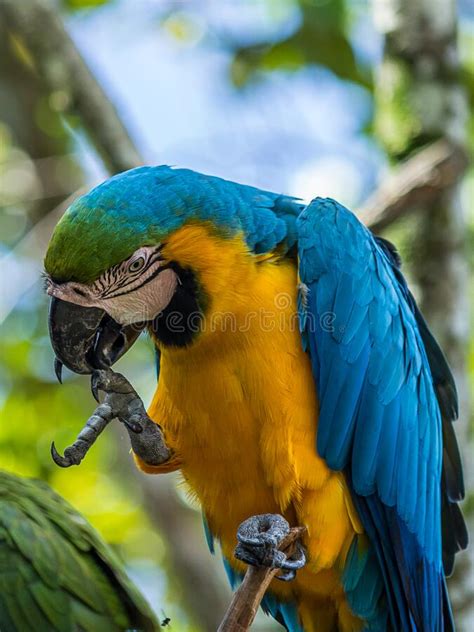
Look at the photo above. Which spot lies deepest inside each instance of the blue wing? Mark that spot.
(380, 420)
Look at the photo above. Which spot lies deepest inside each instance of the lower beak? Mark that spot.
(87, 338)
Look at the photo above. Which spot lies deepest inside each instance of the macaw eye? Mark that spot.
(136, 265)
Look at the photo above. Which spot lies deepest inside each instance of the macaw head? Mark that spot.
(152, 247)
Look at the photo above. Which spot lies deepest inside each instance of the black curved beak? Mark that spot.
(87, 338)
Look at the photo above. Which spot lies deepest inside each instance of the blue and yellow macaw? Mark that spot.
(296, 377)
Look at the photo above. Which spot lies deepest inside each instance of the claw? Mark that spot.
(286, 577)
(133, 426)
(293, 563)
(58, 369)
(58, 459)
(95, 387)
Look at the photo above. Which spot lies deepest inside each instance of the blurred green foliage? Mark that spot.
(83, 4)
(321, 38)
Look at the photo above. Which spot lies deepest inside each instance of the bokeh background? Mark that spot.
(305, 97)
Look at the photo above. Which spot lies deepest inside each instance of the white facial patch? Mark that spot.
(135, 290)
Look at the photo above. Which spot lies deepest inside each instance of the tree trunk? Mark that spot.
(420, 99)
(36, 127)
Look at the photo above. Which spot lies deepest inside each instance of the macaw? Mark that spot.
(56, 573)
(297, 378)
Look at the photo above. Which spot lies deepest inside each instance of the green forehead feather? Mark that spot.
(142, 206)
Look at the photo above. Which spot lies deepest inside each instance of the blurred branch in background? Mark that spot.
(419, 181)
(28, 173)
(65, 75)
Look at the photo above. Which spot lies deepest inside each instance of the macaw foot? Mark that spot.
(259, 540)
(123, 403)
(96, 423)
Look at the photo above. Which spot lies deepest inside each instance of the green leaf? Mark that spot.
(84, 4)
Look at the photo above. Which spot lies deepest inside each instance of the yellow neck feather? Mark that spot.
(244, 290)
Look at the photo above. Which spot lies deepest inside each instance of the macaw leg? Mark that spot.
(259, 540)
(145, 435)
(122, 402)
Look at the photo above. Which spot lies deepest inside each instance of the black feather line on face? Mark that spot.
(131, 277)
(180, 322)
(137, 287)
(118, 281)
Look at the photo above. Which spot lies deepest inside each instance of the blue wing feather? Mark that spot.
(361, 581)
(379, 416)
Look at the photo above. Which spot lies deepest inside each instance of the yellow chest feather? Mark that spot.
(238, 403)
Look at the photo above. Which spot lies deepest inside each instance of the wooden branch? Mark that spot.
(417, 183)
(65, 74)
(247, 598)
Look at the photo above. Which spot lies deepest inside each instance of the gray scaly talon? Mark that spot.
(258, 540)
(123, 403)
(96, 423)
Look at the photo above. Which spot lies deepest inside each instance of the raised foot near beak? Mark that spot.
(260, 540)
(121, 402)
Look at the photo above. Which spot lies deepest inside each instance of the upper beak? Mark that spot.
(87, 338)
